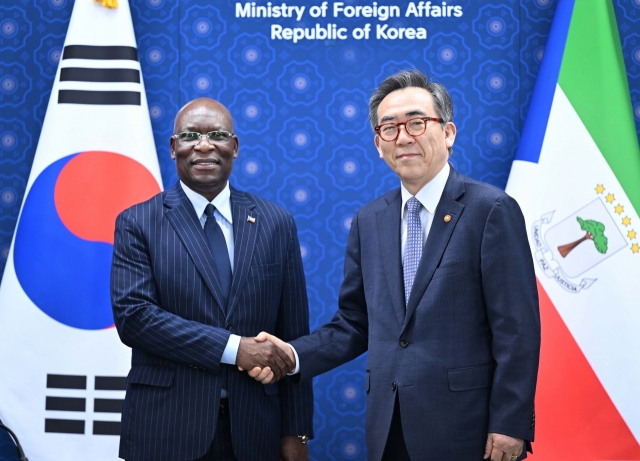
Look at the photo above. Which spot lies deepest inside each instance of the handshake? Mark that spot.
(266, 358)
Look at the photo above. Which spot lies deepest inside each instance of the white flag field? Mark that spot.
(63, 366)
(577, 179)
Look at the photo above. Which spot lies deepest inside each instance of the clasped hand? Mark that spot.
(265, 357)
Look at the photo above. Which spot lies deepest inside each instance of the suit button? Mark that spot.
(404, 343)
(393, 386)
(229, 328)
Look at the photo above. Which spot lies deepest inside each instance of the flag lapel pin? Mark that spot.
(251, 219)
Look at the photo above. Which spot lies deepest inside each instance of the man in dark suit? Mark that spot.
(439, 287)
(198, 270)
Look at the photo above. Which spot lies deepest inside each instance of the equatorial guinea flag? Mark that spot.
(577, 179)
(63, 367)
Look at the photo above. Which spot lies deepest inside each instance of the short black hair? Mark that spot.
(409, 78)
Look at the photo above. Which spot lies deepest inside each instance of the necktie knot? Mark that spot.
(413, 205)
(209, 209)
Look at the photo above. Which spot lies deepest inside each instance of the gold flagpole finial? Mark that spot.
(108, 3)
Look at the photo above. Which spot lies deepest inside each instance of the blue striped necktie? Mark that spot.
(218, 247)
(413, 246)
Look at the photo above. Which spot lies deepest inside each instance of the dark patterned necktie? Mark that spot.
(413, 246)
(218, 247)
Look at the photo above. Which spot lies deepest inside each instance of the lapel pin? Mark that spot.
(447, 218)
(251, 219)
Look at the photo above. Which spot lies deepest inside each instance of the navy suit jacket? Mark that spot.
(462, 356)
(166, 303)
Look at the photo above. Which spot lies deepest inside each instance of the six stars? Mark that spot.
(626, 221)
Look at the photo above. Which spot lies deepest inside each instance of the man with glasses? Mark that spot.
(198, 270)
(440, 289)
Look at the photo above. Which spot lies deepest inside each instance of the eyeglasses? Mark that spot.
(189, 138)
(414, 126)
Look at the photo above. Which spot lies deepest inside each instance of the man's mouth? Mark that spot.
(205, 162)
(406, 156)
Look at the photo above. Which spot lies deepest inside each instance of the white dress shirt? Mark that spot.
(224, 218)
(428, 196)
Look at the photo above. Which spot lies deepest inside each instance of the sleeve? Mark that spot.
(345, 337)
(296, 400)
(139, 318)
(511, 298)
(230, 354)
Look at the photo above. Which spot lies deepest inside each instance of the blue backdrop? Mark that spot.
(301, 116)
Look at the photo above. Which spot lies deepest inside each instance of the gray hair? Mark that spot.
(407, 79)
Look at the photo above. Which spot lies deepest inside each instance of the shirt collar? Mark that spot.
(430, 194)
(222, 201)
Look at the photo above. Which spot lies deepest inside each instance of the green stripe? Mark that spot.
(594, 79)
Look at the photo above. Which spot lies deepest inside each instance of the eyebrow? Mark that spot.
(412, 113)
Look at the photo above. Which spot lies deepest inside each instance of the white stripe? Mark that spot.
(101, 63)
(100, 86)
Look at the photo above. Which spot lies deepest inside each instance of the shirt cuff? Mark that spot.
(297, 368)
(231, 350)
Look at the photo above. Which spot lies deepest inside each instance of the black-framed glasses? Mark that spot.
(193, 138)
(414, 126)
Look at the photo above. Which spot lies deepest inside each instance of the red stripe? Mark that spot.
(575, 418)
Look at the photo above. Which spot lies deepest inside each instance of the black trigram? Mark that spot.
(99, 75)
(78, 404)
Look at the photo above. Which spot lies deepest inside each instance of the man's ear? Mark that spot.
(172, 147)
(236, 143)
(376, 141)
(450, 131)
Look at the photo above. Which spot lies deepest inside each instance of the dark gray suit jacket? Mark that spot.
(166, 304)
(462, 356)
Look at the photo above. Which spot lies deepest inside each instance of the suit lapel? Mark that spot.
(180, 213)
(388, 224)
(439, 236)
(244, 239)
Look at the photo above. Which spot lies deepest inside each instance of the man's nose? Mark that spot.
(403, 136)
(203, 144)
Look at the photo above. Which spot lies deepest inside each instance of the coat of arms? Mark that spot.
(566, 250)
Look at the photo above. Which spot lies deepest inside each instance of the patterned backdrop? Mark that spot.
(301, 116)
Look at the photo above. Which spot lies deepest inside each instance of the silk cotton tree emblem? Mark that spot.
(572, 248)
(594, 232)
